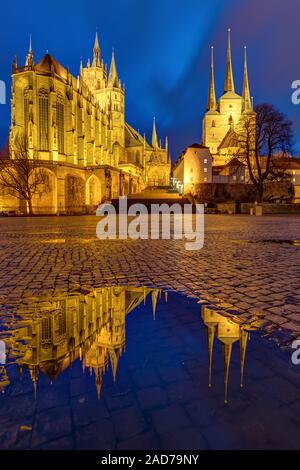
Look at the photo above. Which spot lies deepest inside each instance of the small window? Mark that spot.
(205, 170)
(234, 177)
(205, 179)
(192, 170)
(213, 124)
(192, 179)
(205, 160)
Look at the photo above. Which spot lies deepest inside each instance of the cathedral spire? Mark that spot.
(96, 59)
(210, 332)
(211, 100)
(226, 349)
(29, 58)
(154, 297)
(243, 346)
(154, 136)
(113, 79)
(229, 84)
(246, 90)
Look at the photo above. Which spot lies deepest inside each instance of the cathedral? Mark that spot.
(223, 116)
(87, 327)
(76, 128)
(216, 160)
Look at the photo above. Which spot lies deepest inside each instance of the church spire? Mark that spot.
(226, 349)
(29, 58)
(113, 79)
(210, 332)
(243, 347)
(154, 136)
(96, 59)
(211, 100)
(246, 90)
(154, 297)
(229, 84)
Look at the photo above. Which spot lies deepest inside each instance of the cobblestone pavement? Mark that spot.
(241, 264)
(161, 398)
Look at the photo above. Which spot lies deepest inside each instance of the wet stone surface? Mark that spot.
(160, 397)
(52, 255)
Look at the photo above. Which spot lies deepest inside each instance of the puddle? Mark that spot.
(280, 242)
(121, 367)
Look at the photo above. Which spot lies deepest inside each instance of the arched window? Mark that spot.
(43, 119)
(213, 124)
(46, 330)
(60, 123)
(26, 110)
(230, 120)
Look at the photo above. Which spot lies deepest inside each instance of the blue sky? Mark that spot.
(162, 50)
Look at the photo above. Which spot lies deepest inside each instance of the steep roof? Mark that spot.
(133, 138)
(197, 146)
(230, 140)
(48, 64)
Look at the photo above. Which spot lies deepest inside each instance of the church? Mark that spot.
(76, 128)
(223, 116)
(214, 160)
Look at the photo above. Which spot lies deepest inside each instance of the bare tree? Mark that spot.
(22, 176)
(259, 138)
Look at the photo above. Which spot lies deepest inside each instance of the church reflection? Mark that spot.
(227, 330)
(91, 327)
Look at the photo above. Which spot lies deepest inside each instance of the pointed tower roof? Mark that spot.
(113, 79)
(229, 83)
(247, 106)
(211, 100)
(154, 296)
(243, 347)
(29, 58)
(96, 59)
(154, 136)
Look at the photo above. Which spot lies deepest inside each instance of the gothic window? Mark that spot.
(230, 120)
(43, 119)
(62, 320)
(26, 110)
(46, 330)
(60, 123)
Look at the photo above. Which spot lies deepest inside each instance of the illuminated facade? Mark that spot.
(87, 327)
(77, 128)
(221, 117)
(228, 331)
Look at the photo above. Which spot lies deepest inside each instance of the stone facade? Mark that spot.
(76, 127)
(193, 167)
(222, 116)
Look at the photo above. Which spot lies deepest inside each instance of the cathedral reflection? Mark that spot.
(89, 327)
(228, 330)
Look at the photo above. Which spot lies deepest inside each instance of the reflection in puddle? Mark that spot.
(228, 331)
(89, 327)
(51, 334)
(280, 242)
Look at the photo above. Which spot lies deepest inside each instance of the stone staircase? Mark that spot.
(153, 196)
